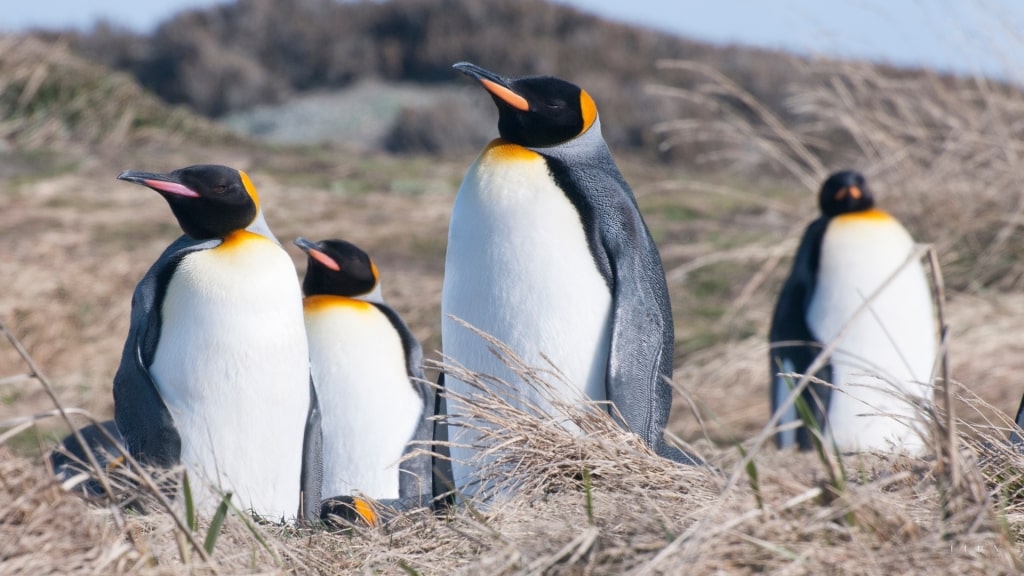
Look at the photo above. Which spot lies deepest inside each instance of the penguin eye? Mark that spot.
(220, 188)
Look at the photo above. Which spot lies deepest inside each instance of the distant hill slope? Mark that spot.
(235, 56)
(52, 98)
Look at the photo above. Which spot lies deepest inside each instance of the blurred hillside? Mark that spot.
(234, 57)
(943, 150)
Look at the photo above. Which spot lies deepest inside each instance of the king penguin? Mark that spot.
(367, 368)
(548, 253)
(880, 371)
(215, 370)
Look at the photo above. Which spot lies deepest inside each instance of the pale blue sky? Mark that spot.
(984, 36)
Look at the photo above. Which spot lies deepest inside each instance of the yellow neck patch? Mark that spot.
(505, 151)
(238, 239)
(589, 109)
(323, 302)
(872, 214)
(250, 188)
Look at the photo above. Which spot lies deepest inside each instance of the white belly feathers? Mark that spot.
(883, 364)
(519, 268)
(370, 410)
(232, 357)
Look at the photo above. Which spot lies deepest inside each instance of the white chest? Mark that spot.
(519, 268)
(884, 360)
(232, 368)
(369, 408)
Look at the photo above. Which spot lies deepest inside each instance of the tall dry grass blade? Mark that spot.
(98, 470)
(814, 170)
(101, 474)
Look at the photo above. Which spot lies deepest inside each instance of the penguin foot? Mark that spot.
(676, 455)
(348, 511)
(71, 466)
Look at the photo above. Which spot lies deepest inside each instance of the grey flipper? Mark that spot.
(1015, 437)
(312, 475)
(642, 340)
(793, 347)
(141, 415)
(69, 459)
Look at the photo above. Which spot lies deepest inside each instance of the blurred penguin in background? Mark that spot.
(881, 370)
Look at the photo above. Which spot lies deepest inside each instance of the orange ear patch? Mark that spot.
(853, 191)
(589, 109)
(250, 188)
(507, 96)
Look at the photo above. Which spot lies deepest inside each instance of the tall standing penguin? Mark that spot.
(881, 368)
(548, 253)
(367, 369)
(215, 370)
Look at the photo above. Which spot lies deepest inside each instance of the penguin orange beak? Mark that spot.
(314, 251)
(160, 182)
(496, 85)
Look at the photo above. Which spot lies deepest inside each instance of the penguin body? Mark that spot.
(366, 366)
(881, 368)
(548, 253)
(512, 227)
(214, 374)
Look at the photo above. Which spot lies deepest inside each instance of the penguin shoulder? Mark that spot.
(327, 303)
(500, 150)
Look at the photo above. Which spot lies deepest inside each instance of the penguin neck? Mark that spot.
(374, 296)
(586, 144)
(259, 226)
(371, 297)
(869, 214)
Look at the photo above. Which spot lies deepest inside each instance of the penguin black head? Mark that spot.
(337, 268)
(536, 111)
(209, 201)
(845, 192)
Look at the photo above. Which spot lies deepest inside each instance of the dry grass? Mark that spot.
(944, 154)
(51, 98)
(600, 504)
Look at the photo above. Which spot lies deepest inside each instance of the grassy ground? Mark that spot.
(75, 242)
